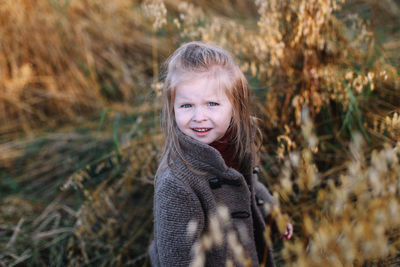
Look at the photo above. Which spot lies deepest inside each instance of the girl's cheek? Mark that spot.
(182, 115)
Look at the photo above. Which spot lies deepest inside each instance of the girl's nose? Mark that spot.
(199, 115)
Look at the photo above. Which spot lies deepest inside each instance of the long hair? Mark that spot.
(198, 58)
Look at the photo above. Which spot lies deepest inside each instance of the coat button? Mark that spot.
(214, 183)
(256, 169)
(240, 214)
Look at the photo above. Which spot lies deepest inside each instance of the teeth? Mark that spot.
(201, 130)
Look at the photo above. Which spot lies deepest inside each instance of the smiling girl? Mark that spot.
(202, 108)
(208, 161)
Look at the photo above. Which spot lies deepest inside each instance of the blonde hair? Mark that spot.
(198, 58)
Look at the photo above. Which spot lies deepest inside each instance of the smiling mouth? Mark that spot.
(201, 130)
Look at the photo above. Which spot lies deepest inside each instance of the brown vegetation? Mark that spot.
(326, 86)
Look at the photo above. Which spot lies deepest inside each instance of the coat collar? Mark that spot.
(205, 158)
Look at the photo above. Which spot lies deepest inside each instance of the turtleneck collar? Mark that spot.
(227, 149)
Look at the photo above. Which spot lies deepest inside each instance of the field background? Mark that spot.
(80, 135)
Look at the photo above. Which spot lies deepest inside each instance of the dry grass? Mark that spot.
(326, 87)
(60, 60)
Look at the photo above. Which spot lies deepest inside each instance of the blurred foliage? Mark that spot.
(80, 135)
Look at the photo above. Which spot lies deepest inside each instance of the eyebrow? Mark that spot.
(182, 97)
(187, 100)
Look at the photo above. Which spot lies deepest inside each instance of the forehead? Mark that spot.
(200, 87)
(204, 84)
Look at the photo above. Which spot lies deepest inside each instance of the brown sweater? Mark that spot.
(182, 196)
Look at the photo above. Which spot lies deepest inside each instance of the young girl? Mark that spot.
(207, 161)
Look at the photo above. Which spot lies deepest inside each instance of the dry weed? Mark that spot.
(334, 168)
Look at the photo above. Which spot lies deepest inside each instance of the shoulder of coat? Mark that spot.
(166, 176)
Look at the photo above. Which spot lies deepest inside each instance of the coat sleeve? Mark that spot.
(263, 196)
(175, 206)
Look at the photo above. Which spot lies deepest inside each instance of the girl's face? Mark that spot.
(202, 109)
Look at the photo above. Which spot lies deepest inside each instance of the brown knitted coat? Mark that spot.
(182, 195)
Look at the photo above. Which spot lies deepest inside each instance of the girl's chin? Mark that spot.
(203, 139)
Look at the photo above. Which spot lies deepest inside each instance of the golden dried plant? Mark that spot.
(59, 61)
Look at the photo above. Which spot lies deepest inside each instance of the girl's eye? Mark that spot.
(186, 106)
(213, 104)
